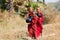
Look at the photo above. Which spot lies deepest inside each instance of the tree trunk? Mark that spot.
(37, 0)
(10, 7)
(29, 0)
(43, 1)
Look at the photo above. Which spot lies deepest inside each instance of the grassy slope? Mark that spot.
(10, 28)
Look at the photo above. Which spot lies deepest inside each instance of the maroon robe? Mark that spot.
(35, 27)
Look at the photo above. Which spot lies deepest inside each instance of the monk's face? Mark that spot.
(38, 10)
(31, 9)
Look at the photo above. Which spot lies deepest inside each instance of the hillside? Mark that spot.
(14, 27)
(56, 5)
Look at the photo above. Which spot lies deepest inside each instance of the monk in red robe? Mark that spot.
(35, 26)
(32, 25)
(40, 21)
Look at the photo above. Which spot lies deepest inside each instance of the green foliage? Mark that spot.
(2, 4)
(34, 5)
(23, 12)
(28, 4)
(19, 3)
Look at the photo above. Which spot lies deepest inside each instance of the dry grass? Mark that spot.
(14, 28)
(51, 32)
(10, 28)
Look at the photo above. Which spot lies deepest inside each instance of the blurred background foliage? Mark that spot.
(20, 7)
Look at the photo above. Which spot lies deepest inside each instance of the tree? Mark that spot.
(2, 4)
(37, 0)
(10, 6)
(29, 0)
(43, 1)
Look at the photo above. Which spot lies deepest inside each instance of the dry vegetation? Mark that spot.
(14, 28)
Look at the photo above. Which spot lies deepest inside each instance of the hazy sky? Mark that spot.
(47, 1)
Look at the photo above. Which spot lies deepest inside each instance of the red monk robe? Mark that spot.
(32, 27)
(35, 27)
(40, 21)
(39, 24)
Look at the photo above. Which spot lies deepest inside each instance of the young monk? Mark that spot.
(32, 27)
(35, 26)
(30, 30)
(39, 21)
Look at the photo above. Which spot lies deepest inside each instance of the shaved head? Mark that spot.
(30, 9)
(38, 9)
